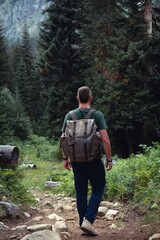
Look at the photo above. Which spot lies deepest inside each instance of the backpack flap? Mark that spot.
(83, 140)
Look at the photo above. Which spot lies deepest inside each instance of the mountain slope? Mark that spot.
(14, 13)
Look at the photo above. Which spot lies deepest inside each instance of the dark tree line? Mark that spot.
(112, 46)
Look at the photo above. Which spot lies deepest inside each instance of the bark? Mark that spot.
(148, 19)
(148, 16)
(8, 155)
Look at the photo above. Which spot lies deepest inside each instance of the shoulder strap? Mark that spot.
(89, 114)
(73, 115)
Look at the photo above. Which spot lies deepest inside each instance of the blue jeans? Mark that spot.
(94, 173)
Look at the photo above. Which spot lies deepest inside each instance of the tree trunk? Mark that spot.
(8, 155)
(148, 16)
(148, 19)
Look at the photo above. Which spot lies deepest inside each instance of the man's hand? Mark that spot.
(109, 166)
(67, 164)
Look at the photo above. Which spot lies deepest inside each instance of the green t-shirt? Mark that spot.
(82, 112)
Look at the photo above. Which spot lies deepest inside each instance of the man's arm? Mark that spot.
(107, 147)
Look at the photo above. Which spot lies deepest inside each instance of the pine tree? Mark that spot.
(127, 57)
(4, 63)
(13, 120)
(27, 80)
(61, 61)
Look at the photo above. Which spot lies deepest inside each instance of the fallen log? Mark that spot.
(8, 155)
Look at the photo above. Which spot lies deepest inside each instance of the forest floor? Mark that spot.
(132, 227)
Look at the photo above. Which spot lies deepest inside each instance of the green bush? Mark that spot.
(13, 119)
(40, 148)
(12, 187)
(137, 178)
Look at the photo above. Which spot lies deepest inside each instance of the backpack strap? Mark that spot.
(73, 115)
(89, 114)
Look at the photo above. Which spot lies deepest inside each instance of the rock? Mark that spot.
(117, 205)
(3, 226)
(68, 207)
(60, 226)
(66, 235)
(102, 211)
(30, 166)
(59, 208)
(39, 227)
(112, 226)
(107, 204)
(155, 237)
(51, 184)
(18, 236)
(28, 215)
(38, 218)
(54, 216)
(43, 235)
(110, 215)
(21, 227)
(48, 203)
(16, 13)
(11, 209)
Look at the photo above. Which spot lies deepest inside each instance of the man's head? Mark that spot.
(84, 94)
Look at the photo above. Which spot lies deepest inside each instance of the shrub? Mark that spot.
(12, 187)
(137, 178)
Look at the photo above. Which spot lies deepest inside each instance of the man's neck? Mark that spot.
(84, 105)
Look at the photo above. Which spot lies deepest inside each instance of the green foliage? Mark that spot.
(11, 186)
(4, 62)
(124, 72)
(65, 178)
(134, 180)
(137, 178)
(61, 60)
(102, 43)
(40, 148)
(45, 154)
(27, 81)
(13, 121)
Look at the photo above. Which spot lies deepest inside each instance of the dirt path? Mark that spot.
(131, 227)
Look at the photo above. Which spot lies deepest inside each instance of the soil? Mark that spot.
(131, 227)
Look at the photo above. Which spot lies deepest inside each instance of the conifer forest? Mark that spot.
(111, 46)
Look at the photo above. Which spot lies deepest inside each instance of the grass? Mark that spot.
(135, 180)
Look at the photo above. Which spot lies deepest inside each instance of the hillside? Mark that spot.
(14, 13)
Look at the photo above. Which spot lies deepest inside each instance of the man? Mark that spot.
(93, 171)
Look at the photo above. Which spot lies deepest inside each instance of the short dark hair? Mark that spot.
(84, 93)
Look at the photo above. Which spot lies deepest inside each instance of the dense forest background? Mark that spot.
(111, 46)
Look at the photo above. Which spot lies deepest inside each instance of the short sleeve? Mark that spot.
(67, 117)
(100, 120)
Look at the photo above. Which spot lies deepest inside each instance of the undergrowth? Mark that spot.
(135, 180)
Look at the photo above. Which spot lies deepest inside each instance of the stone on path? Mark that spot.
(110, 215)
(54, 216)
(42, 235)
(3, 226)
(102, 211)
(60, 226)
(155, 237)
(39, 227)
(11, 209)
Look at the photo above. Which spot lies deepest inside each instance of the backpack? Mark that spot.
(80, 141)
